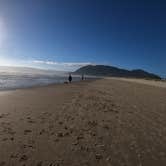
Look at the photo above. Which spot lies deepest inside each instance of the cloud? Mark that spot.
(77, 64)
(61, 65)
(45, 62)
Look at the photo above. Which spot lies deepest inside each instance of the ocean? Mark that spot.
(16, 78)
(15, 82)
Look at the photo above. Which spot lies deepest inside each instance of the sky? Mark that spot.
(67, 34)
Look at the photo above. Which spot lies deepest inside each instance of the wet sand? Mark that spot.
(93, 123)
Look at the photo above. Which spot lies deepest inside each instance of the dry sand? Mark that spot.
(157, 83)
(107, 122)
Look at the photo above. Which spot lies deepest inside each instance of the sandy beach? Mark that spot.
(107, 122)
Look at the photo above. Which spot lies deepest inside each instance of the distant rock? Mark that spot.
(102, 70)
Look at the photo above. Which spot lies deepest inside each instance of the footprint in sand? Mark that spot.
(14, 156)
(2, 163)
(42, 132)
(30, 120)
(106, 126)
(4, 139)
(92, 123)
(46, 114)
(27, 131)
(56, 163)
(23, 158)
(27, 146)
(60, 122)
(12, 138)
(7, 129)
(40, 163)
(4, 115)
(98, 156)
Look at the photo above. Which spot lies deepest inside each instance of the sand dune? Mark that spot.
(105, 122)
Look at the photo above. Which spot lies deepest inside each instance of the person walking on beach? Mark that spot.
(70, 78)
(82, 77)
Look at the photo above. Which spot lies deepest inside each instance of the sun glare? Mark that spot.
(5, 62)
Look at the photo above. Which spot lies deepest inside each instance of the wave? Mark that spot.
(14, 82)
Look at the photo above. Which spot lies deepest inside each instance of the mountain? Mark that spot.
(102, 70)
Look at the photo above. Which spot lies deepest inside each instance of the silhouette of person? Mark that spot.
(70, 78)
(82, 77)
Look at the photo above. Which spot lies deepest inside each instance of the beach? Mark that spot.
(104, 122)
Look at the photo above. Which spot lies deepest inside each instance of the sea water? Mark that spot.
(15, 81)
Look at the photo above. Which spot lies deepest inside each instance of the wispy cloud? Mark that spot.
(45, 62)
(61, 65)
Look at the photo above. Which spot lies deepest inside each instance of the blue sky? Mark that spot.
(64, 35)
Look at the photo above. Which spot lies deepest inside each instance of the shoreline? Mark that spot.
(158, 83)
(42, 86)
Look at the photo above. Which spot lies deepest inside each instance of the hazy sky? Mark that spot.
(65, 34)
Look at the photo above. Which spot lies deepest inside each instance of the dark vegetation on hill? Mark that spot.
(102, 70)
